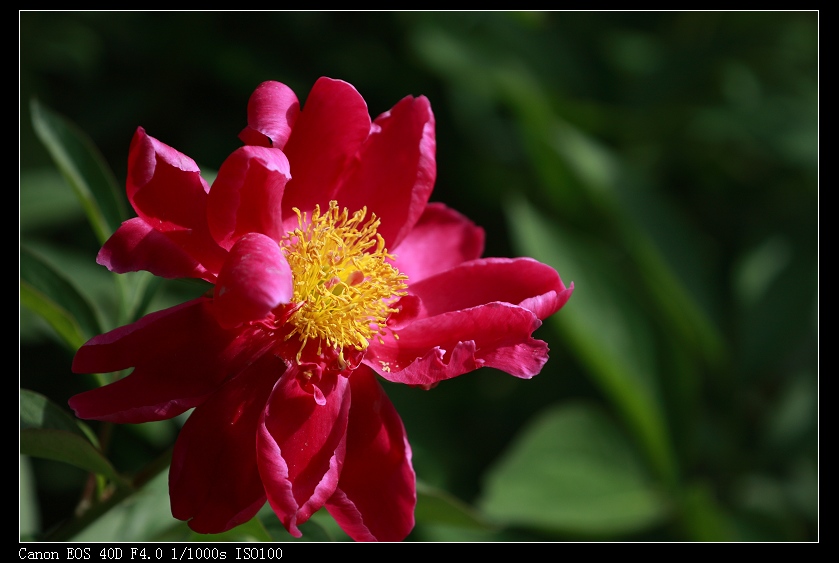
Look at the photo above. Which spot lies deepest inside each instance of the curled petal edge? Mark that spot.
(137, 246)
(434, 349)
(272, 110)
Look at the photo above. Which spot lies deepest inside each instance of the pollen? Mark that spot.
(344, 284)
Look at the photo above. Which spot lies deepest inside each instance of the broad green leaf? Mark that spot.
(67, 447)
(36, 411)
(436, 507)
(605, 328)
(83, 167)
(47, 292)
(571, 471)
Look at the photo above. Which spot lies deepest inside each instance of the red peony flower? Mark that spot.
(329, 266)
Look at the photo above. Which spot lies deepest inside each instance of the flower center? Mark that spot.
(344, 286)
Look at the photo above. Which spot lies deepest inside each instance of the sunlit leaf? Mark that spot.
(84, 169)
(572, 471)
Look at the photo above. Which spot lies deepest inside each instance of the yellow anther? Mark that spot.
(343, 281)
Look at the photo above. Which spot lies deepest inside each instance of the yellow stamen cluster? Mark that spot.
(344, 286)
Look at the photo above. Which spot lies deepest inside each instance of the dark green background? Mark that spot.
(666, 163)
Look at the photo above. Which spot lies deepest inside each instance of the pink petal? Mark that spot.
(520, 281)
(254, 280)
(214, 482)
(301, 442)
(247, 194)
(376, 494)
(172, 369)
(396, 169)
(137, 246)
(326, 137)
(167, 191)
(440, 240)
(272, 110)
(480, 313)
(436, 348)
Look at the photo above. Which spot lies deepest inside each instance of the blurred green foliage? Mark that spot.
(665, 162)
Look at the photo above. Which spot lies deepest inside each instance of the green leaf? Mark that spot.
(36, 411)
(67, 447)
(48, 293)
(571, 471)
(83, 167)
(436, 507)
